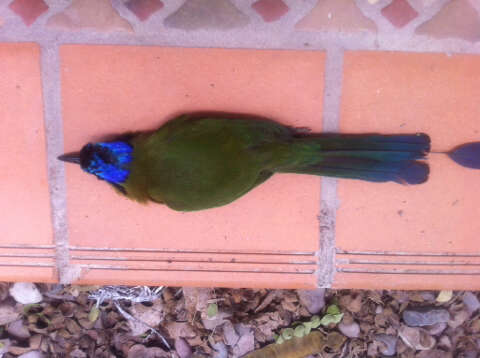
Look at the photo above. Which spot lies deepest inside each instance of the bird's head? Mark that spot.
(108, 161)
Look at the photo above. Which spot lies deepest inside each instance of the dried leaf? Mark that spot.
(93, 314)
(444, 296)
(212, 310)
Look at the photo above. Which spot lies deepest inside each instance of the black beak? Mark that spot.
(70, 158)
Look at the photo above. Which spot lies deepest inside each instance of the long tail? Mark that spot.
(375, 158)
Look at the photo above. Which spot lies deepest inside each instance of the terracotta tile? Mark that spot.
(407, 93)
(336, 15)
(140, 89)
(98, 15)
(270, 10)
(399, 13)
(207, 14)
(457, 19)
(143, 9)
(28, 10)
(26, 217)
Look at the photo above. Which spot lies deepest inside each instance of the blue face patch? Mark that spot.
(108, 161)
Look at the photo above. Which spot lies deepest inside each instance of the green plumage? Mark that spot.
(193, 164)
(205, 162)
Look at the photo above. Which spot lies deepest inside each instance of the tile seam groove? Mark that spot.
(50, 77)
(328, 194)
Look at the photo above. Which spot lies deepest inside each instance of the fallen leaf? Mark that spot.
(8, 314)
(212, 310)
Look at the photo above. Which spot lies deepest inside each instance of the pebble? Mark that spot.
(389, 347)
(313, 300)
(425, 316)
(471, 302)
(351, 330)
(25, 293)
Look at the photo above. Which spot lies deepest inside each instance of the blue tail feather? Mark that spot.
(374, 158)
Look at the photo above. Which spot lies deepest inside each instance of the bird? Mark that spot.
(198, 162)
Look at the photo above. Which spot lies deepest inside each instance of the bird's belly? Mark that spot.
(202, 184)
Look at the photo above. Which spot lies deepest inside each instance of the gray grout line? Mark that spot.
(328, 203)
(50, 70)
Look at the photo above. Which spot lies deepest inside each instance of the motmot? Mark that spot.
(197, 162)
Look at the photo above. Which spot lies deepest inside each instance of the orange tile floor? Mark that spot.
(385, 235)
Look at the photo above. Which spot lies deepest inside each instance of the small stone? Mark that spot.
(378, 309)
(32, 354)
(270, 10)
(25, 293)
(471, 302)
(143, 9)
(313, 300)
(183, 348)
(18, 329)
(399, 13)
(425, 316)
(28, 10)
(351, 330)
(206, 14)
(389, 347)
(229, 335)
(97, 15)
(436, 329)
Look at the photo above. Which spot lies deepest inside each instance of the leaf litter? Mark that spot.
(120, 321)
